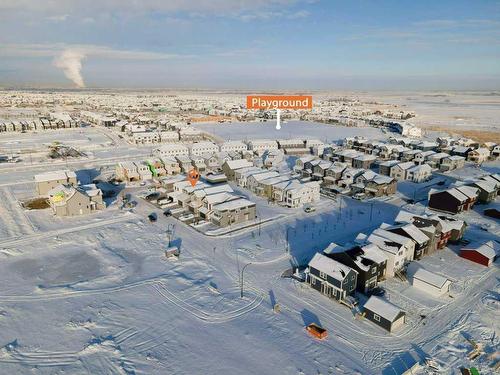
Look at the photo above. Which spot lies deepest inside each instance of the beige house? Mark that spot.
(45, 182)
(479, 156)
(233, 212)
(68, 200)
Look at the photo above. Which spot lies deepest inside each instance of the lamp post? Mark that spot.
(241, 278)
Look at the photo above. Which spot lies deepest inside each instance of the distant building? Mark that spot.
(44, 182)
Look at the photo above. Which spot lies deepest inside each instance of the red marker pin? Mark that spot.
(193, 177)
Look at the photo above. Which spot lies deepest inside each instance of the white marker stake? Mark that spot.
(278, 119)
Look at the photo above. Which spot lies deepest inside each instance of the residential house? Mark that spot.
(355, 258)
(233, 212)
(231, 165)
(44, 182)
(422, 157)
(384, 168)
(70, 200)
(127, 171)
(171, 165)
(452, 200)
(171, 150)
(143, 170)
(330, 277)
(236, 146)
(409, 230)
(258, 146)
(363, 161)
(200, 148)
(452, 162)
(488, 191)
(419, 173)
(399, 171)
(272, 158)
(395, 253)
(485, 254)
(461, 151)
(384, 314)
(426, 281)
(479, 155)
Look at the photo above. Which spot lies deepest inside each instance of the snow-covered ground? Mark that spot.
(290, 129)
(96, 295)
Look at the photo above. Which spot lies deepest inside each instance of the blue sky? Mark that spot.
(252, 44)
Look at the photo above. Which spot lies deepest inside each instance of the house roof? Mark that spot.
(487, 186)
(54, 175)
(383, 308)
(329, 266)
(469, 191)
(419, 273)
(489, 249)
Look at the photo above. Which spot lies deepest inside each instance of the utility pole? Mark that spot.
(371, 211)
(241, 278)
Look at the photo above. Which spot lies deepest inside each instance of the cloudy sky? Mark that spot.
(251, 44)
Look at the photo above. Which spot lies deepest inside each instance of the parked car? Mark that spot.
(167, 213)
(309, 208)
(152, 217)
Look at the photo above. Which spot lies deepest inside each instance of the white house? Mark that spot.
(296, 195)
(419, 173)
(258, 146)
(171, 150)
(237, 146)
(428, 282)
(200, 148)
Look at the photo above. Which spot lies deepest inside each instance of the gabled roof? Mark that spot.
(329, 266)
(383, 308)
(488, 249)
(419, 273)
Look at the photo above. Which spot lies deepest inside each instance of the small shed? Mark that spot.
(426, 281)
(384, 314)
(484, 254)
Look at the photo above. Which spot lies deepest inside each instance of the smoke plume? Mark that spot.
(70, 61)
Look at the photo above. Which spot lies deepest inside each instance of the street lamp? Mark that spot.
(241, 278)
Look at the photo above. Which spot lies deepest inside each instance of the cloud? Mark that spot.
(227, 7)
(55, 49)
(69, 58)
(70, 61)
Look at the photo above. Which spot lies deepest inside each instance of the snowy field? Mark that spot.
(95, 294)
(291, 129)
(79, 138)
(466, 110)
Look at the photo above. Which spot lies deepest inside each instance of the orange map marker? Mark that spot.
(193, 177)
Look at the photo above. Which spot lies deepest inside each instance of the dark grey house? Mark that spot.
(355, 258)
(330, 277)
(384, 314)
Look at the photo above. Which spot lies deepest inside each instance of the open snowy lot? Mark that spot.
(95, 294)
(79, 138)
(290, 129)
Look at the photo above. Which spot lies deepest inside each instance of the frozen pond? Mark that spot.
(291, 129)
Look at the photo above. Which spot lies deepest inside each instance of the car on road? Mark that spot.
(309, 208)
(152, 217)
(167, 213)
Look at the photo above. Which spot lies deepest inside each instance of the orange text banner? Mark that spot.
(279, 102)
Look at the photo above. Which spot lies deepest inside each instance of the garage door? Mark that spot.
(398, 323)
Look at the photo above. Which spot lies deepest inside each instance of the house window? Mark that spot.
(374, 271)
(313, 281)
(322, 275)
(376, 317)
(353, 277)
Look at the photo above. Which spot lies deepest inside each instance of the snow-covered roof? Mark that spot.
(489, 249)
(469, 191)
(383, 308)
(417, 272)
(329, 266)
(233, 205)
(487, 186)
(238, 164)
(54, 175)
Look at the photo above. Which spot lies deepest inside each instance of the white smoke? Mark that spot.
(70, 61)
